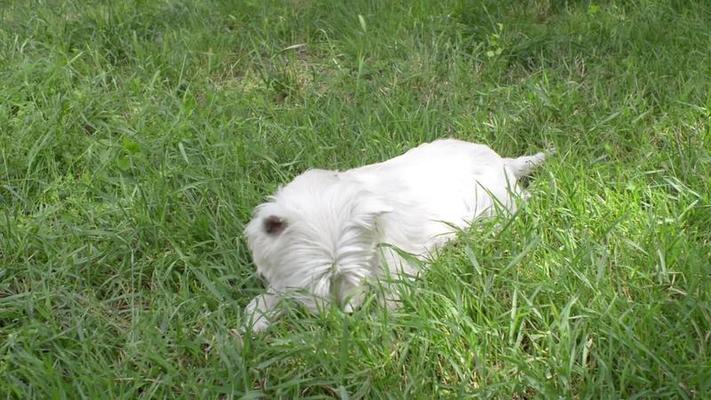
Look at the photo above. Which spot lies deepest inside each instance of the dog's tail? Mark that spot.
(524, 165)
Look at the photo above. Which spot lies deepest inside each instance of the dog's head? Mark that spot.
(318, 235)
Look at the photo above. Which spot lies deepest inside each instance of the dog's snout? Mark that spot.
(261, 277)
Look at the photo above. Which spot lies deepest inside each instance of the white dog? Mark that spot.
(323, 235)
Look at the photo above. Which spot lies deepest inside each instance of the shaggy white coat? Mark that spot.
(320, 237)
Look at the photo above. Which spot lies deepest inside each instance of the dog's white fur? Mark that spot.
(320, 237)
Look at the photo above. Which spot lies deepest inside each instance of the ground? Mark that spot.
(137, 136)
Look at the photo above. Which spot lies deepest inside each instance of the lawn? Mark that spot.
(137, 136)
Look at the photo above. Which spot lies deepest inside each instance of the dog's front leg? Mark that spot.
(261, 312)
(397, 267)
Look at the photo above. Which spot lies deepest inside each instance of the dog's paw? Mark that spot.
(259, 313)
(258, 324)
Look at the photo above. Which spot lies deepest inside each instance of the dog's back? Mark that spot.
(451, 180)
(444, 185)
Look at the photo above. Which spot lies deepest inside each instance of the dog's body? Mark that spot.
(320, 237)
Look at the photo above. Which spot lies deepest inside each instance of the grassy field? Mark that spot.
(136, 137)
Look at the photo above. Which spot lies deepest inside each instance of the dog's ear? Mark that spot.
(369, 209)
(274, 225)
(374, 206)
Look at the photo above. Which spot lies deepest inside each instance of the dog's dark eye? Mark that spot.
(274, 225)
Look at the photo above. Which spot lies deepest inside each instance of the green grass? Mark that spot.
(136, 137)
